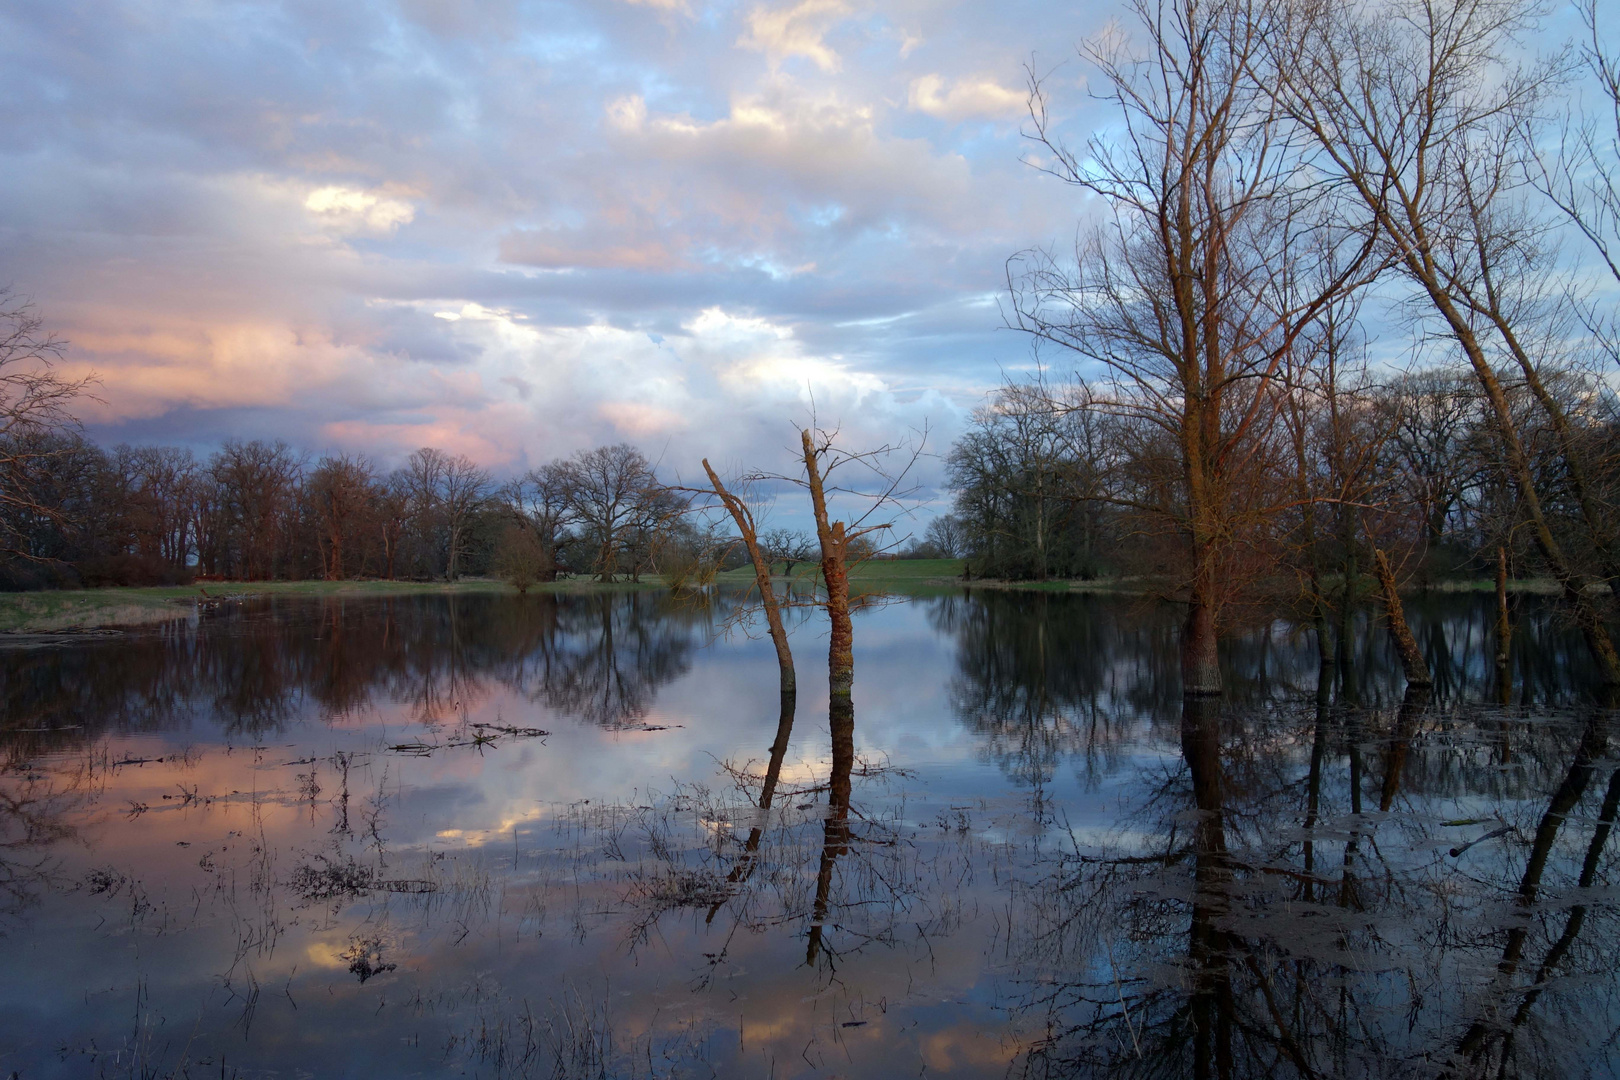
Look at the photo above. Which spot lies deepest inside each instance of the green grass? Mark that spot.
(45, 611)
(71, 609)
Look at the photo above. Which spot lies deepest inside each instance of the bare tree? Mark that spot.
(822, 457)
(1434, 415)
(165, 479)
(35, 402)
(542, 499)
(340, 493)
(787, 546)
(1028, 485)
(1583, 178)
(1183, 297)
(444, 493)
(463, 490)
(393, 514)
(608, 488)
(945, 533)
(1420, 117)
(422, 481)
(256, 485)
(741, 513)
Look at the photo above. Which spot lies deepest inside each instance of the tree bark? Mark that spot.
(1417, 669)
(762, 577)
(840, 645)
(1200, 659)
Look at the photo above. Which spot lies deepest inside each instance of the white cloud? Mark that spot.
(677, 228)
(968, 97)
(798, 30)
(352, 210)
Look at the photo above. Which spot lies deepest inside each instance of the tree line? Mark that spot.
(1410, 463)
(258, 510)
(73, 513)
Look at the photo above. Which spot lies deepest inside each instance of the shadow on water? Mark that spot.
(1055, 866)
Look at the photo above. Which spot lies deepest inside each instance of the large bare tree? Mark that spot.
(341, 496)
(609, 489)
(1180, 296)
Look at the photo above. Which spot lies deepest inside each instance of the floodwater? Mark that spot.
(582, 836)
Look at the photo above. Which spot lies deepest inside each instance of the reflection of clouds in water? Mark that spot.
(611, 878)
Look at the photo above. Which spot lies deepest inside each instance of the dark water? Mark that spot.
(497, 837)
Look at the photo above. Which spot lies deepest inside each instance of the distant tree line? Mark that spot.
(256, 510)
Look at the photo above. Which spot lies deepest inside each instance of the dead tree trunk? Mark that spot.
(831, 534)
(762, 577)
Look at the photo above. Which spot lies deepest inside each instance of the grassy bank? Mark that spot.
(75, 609)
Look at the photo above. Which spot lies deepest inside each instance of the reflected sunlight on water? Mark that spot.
(548, 836)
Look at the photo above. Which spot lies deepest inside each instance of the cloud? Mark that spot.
(353, 210)
(558, 249)
(375, 226)
(678, 7)
(966, 98)
(796, 30)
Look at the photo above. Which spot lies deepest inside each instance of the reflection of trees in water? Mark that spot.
(611, 654)
(34, 812)
(48, 694)
(1039, 681)
(601, 657)
(846, 876)
(1290, 906)
(1045, 678)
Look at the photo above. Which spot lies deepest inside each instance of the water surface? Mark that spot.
(500, 836)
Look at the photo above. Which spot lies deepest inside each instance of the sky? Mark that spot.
(515, 230)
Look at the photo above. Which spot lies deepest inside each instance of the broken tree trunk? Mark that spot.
(762, 577)
(831, 534)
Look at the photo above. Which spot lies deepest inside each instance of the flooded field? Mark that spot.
(583, 836)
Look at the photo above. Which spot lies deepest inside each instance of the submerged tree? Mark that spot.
(1422, 121)
(1188, 296)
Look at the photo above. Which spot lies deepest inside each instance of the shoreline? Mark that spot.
(79, 613)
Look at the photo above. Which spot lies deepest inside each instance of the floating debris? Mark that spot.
(365, 958)
(523, 732)
(415, 749)
(331, 880)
